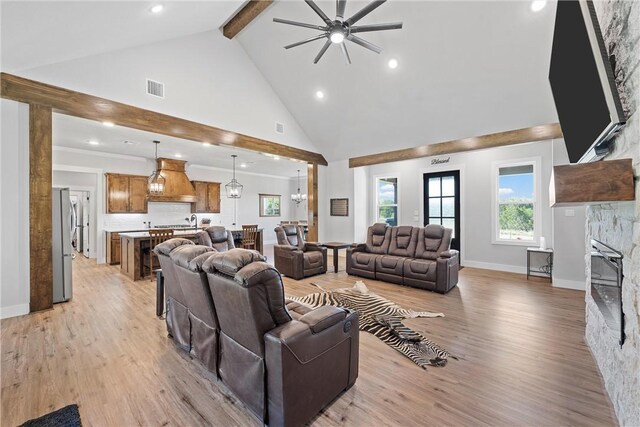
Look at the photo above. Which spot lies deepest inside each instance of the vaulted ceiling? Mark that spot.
(465, 67)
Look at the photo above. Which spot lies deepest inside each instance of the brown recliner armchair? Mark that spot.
(296, 258)
(177, 313)
(361, 259)
(284, 370)
(188, 262)
(216, 237)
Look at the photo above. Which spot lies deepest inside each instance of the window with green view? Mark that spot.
(516, 203)
(387, 200)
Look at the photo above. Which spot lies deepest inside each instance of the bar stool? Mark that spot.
(157, 236)
(249, 236)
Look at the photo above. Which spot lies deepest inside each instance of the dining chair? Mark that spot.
(157, 236)
(249, 236)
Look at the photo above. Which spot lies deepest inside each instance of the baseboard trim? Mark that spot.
(499, 267)
(14, 310)
(569, 284)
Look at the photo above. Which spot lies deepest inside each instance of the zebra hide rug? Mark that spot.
(382, 318)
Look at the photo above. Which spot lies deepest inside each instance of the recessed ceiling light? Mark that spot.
(126, 141)
(177, 156)
(157, 8)
(206, 144)
(108, 124)
(276, 157)
(319, 94)
(93, 142)
(538, 5)
(243, 165)
(393, 63)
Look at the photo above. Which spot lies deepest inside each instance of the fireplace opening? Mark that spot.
(606, 285)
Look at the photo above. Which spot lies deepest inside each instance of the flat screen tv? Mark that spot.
(582, 83)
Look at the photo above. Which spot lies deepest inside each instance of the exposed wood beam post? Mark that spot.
(312, 200)
(244, 16)
(40, 221)
(493, 140)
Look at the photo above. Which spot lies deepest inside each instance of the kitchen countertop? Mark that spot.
(176, 232)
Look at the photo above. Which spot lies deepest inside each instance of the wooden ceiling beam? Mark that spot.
(91, 107)
(500, 139)
(244, 16)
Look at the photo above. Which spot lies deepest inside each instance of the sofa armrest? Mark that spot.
(357, 247)
(323, 317)
(285, 248)
(449, 254)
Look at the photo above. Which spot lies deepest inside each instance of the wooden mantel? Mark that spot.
(597, 182)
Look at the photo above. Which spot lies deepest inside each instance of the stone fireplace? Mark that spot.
(618, 224)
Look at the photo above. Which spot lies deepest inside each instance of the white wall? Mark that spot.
(335, 181)
(568, 236)
(14, 209)
(208, 79)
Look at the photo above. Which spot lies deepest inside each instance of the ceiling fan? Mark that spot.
(339, 30)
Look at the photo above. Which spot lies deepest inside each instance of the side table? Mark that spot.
(543, 270)
(336, 246)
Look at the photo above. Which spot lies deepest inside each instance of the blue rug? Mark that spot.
(69, 416)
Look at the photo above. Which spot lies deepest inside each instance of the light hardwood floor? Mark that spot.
(523, 360)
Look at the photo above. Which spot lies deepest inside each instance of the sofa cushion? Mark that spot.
(378, 238)
(389, 264)
(364, 261)
(232, 261)
(404, 240)
(312, 259)
(167, 246)
(420, 269)
(432, 240)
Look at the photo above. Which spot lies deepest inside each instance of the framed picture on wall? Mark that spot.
(339, 207)
(270, 205)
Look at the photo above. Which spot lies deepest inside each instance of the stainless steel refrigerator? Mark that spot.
(62, 249)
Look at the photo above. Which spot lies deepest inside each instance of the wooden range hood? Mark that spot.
(591, 183)
(177, 187)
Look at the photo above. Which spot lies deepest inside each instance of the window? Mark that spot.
(269, 205)
(387, 200)
(515, 204)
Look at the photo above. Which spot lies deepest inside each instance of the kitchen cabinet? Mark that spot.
(207, 197)
(126, 193)
(113, 248)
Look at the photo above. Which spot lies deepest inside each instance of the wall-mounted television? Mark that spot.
(582, 82)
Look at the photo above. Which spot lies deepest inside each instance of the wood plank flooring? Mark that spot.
(523, 360)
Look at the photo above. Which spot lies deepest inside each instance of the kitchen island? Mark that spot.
(135, 246)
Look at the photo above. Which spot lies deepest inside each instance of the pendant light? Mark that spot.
(234, 188)
(156, 181)
(298, 197)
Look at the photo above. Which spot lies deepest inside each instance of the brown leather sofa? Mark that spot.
(285, 361)
(177, 313)
(216, 237)
(413, 256)
(203, 322)
(296, 258)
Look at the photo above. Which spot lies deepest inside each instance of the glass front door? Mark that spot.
(442, 202)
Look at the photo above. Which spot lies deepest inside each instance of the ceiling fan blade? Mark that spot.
(300, 24)
(340, 6)
(363, 43)
(364, 11)
(310, 39)
(322, 51)
(319, 11)
(375, 27)
(346, 53)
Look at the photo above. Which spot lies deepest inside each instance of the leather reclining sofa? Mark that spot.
(284, 360)
(414, 256)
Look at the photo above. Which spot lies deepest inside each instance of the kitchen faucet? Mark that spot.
(194, 219)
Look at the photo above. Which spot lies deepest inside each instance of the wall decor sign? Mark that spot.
(437, 161)
(339, 207)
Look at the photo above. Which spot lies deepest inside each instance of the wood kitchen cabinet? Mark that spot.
(126, 193)
(113, 248)
(207, 197)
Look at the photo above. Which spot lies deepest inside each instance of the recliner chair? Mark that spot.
(296, 258)
(177, 313)
(216, 237)
(204, 328)
(284, 370)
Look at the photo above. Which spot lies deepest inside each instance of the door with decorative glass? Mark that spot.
(442, 202)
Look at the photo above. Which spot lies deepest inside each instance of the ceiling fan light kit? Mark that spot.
(339, 30)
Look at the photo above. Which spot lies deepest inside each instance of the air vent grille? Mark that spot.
(279, 127)
(155, 88)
